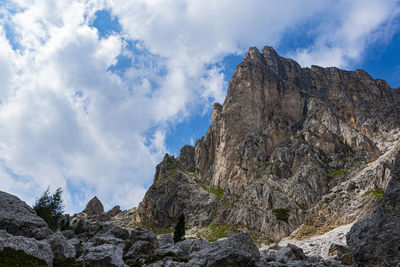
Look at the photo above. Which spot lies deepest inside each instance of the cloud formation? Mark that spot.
(74, 115)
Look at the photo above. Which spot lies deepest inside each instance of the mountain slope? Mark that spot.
(290, 147)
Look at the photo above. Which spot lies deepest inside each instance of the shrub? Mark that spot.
(281, 214)
(179, 233)
(50, 208)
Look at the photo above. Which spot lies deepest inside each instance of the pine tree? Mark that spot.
(50, 208)
(179, 233)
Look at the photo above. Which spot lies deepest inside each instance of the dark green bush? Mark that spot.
(50, 208)
(281, 214)
(179, 233)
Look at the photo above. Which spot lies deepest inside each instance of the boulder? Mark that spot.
(94, 207)
(375, 239)
(140, 244)
(41, 233)
(105, 255)
(17, 218)
(237, 250)
(341, 253)
(60, 247)
(39, 249)
(291, 252)
(115, 231)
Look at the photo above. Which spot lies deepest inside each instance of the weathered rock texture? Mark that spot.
(17, 218)
(94, 207)
(375, 239)
(289, 147)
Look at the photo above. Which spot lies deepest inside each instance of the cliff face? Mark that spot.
(289, 147)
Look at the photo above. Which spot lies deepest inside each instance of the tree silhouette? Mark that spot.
(50, 208)
(179, 233)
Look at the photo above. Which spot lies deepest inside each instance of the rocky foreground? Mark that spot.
(25, 239)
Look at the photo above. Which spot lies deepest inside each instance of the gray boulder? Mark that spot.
(291, 252)
(104, 255)
(141, 244)
(38, 249)
(375, 239)
(17, 218)
(237, 250)
(41, 233)
(60, 247)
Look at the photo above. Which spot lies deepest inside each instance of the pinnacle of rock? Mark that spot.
(94, 207)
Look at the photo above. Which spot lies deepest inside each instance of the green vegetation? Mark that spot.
(281, 214)
(50, 208)
(179, 233)
(218, 192)
(378, 193)
(337, 172)
(10, 257)
(235, 196)
(213, 232)
(302, 138)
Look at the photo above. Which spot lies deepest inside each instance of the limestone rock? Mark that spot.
(103, 255)
(114, 211)
(94, 207)
(374, 240)
(38, 249)
(60, 247)
(175, 190)
(186, 158)
(341, 253)
(17, 218)
(237, 250)
(140, 244)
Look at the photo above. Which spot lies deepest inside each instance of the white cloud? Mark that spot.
(347, 30)
(67, 120)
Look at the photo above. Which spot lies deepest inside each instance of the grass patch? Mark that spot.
(10, 257)
(218, 192)
(281, 214)
(213, 232)
(378, 193)
(337, 172)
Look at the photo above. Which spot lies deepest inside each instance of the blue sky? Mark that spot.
(94, 93)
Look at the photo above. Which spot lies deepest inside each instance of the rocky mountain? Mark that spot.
(291, 148)
(302, 162)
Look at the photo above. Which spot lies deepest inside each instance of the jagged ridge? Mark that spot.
(287, 140)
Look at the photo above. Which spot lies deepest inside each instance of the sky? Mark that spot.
(93, 93)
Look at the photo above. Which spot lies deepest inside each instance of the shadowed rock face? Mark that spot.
(375, 239)
(283, 150)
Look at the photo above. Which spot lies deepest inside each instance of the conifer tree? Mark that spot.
(179, 233)
(50, 208)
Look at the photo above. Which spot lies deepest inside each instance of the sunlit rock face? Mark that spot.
(290, 146)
